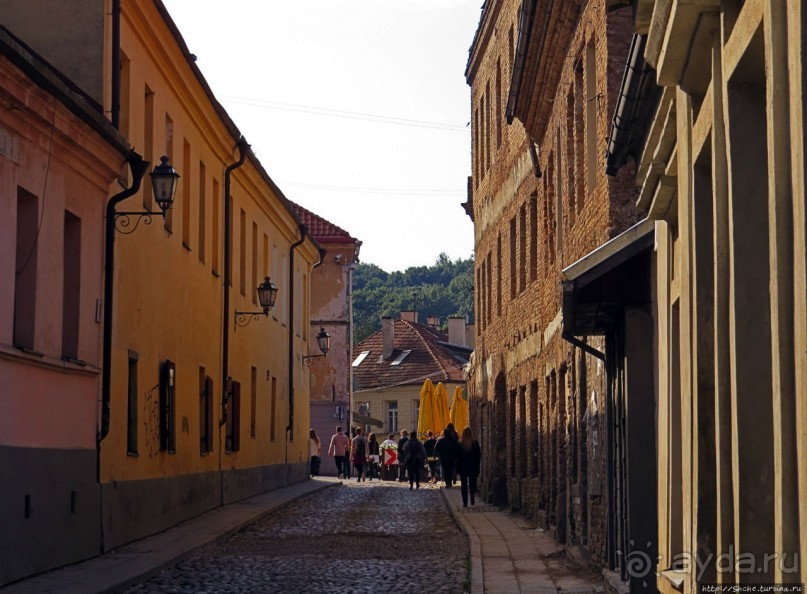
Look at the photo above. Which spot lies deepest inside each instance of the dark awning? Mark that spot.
(600, 284)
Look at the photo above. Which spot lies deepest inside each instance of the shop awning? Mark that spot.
(600, 284)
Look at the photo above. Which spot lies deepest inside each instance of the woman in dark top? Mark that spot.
(372, 462)
(469, 456)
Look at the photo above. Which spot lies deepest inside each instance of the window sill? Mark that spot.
(133, 454)
(38, 359)
(186, 246)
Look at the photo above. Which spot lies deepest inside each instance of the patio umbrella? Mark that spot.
(459, 410)
(426, 414)
(442, 417)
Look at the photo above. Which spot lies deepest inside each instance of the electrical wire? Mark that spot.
(338, 113)
(364, 190)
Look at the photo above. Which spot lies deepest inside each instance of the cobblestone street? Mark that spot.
(357, 537)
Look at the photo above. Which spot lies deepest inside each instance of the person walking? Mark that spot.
(469, 457)
(372, 463)
(402, 454)
(446, 450)
(358, 451)
(315, 451)
(415, 455)
(340, 444)
(431, 457)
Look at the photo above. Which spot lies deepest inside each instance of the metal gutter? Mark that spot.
(292, 247)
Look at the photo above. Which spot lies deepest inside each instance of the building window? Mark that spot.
(532, 441)
(273, 410)
(26, 265)
(416, 413)
(186, 195)
(214, 246)
(71, 286)
(512, 258)
(202, 212)
(499, 275)
(253, 401)
(570, 156)
(488, 289)
(255, 282)
(392, 416)
(242, 257)
(592, 156)
(131, 405)
(148, 142)
(169, 152)
(233, 430)
(580, 107)
(522, 432)
(125, 90)
(168, 437)
(205, 412)
(498, 115)
(488, 125)
(534, 236)
(522, 247)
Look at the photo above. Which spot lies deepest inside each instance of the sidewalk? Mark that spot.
(510, 556)
(136, 562)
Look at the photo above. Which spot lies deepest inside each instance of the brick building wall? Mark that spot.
(538, 403)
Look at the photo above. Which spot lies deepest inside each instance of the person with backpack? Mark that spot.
(415, 455)
(375, 457)
(358, 451)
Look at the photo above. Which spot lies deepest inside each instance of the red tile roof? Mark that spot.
(431, 356)
(320, 229)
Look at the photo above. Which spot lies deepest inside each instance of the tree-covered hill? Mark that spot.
(444, 289)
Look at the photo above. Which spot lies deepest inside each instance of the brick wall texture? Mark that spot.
(537, 402)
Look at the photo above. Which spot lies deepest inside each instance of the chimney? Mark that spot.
(410, 316)
(456, 330)
(470, 336)
(388, 332)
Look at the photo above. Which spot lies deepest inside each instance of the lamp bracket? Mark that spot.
(126, 223)
(307, 359)
(243, 318)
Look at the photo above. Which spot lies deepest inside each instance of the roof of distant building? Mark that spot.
(323, 231)
(419, 352)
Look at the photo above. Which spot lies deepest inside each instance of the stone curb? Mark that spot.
(477, 570)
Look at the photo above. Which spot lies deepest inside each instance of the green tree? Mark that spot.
(444, 289)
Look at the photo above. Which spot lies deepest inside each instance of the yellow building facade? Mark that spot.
(202, 411)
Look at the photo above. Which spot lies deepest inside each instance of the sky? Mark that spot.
(357, 109)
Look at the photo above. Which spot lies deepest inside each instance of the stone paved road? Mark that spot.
(357, 537)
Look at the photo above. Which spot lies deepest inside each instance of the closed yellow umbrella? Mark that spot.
(442, 416)
(459, 410)
(426, 414)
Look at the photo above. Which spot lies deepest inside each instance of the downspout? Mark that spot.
(243, 149)
(115, 78)
(138, 168)
(294, 246)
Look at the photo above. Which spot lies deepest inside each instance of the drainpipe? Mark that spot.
(294, 246)
(243, 149)
(115, 78)
(138, 168)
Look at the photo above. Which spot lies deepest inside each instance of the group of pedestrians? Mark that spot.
(451, 455)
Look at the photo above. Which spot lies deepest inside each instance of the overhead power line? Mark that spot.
(364, 190)
(338, 113)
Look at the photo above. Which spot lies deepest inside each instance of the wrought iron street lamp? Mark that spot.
(164, 181)
(324, 344)
(267, 293)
